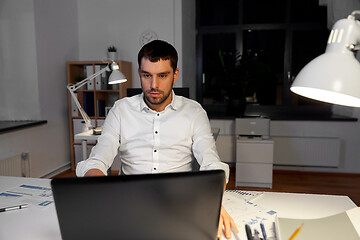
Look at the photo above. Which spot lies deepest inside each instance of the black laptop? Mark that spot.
(153, 206)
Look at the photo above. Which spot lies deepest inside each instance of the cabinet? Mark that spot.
(254, 162)
(96, 97)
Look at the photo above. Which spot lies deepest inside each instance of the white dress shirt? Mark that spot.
(155, 142)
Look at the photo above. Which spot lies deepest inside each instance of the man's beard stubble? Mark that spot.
(160, 100)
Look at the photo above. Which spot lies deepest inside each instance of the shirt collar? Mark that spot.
(175, 102)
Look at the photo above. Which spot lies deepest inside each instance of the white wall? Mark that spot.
(120, 23)
(189, 46)
(36, 39)
(19, 94)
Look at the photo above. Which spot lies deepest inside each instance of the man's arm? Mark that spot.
(94, 172)
(204, 150)
(103, 153)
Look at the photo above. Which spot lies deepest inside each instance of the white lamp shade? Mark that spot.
(117, 77)
(332, 77)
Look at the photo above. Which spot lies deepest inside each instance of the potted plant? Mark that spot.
(112, 52)
(245, 76)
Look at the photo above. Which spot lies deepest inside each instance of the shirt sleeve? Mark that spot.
(103, 153)
(204, 147)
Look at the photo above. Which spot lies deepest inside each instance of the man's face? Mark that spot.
(157, 79)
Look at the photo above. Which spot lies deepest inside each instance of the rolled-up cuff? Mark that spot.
(84, 166)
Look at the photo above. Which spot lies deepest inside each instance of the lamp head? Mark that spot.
(334, 76)
(116, 76)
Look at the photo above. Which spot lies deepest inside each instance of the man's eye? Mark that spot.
(162, 75)
(146, 75)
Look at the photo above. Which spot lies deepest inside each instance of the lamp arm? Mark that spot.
(354, 46)
(78, 85)
(72, 88)
(352, 15)
(86, 118)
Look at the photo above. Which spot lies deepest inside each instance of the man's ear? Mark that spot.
(176, 75)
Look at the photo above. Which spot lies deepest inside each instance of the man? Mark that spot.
(157, 131)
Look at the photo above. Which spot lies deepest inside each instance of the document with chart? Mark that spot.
(31, 195)
(244, 212)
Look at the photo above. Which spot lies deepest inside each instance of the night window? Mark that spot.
(249, 52)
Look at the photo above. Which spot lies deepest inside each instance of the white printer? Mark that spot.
(253, 127)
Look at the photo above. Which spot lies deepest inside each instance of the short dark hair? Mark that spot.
(156, 50)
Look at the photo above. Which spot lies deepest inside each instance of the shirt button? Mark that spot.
(155, 150)
(156, 132)
(158, 114)
(154, 168)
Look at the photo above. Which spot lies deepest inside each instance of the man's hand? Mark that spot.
(228, 222)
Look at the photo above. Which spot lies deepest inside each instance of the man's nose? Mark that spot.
(155, 82)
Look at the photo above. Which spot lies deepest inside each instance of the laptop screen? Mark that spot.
(152, 206)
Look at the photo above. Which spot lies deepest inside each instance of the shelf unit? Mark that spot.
(97, 97)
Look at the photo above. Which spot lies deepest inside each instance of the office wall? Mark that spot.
(19, 94)
(36, 39)
(121, 23)
(189, 46)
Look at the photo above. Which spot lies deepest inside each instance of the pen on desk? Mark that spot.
(248, 232)
(275, 233)
(5, 209)
(263, 230)
(256, 235)
(296, 232)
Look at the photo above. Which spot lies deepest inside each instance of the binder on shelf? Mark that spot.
(89, 72)
(103, 80)
(89, 103)
(74, 110)
(97, 78)
(100, 108)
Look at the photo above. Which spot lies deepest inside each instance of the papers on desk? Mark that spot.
(27, 194)
(240, 206)
(345, 225)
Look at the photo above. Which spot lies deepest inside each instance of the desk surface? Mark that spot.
(36, 223)
(6, 126)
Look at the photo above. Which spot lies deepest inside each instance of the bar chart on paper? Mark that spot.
(244, 212)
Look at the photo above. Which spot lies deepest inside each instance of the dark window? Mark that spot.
(249, 51)
(264, 11)
(216, 13)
